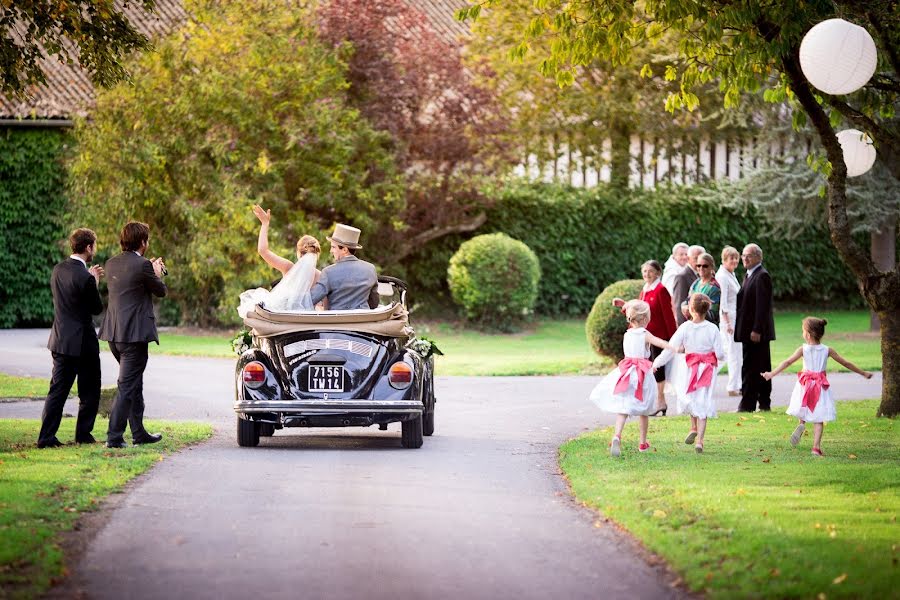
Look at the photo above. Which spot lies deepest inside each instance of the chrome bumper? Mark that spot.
(327, 407)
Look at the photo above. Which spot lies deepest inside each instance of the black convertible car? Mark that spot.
(349, 368)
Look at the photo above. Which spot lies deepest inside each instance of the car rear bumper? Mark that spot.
(329, 407)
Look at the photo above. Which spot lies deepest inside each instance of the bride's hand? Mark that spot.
(263, 215)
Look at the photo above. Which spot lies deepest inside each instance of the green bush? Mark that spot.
(606, 325)
(586, 239)
(32, 203)
(494, 278)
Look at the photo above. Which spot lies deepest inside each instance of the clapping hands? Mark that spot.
(96, 272)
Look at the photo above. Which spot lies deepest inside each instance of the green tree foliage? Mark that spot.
(243, 105)
(749, 46)
(494, 278)
(32, 202)
(95, 33)
(609, 103)
(606, 325)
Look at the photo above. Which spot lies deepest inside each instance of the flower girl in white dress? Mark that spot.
(627, 391)
(811, 398)
(694, 372)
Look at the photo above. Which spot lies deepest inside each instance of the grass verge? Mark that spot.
(43, 493)
(12, 386)
(753, 517)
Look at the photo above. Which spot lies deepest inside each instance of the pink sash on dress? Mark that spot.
(693, 361)
(813, 383)
(642, 366)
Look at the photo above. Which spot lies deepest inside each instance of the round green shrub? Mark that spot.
(606, 324)
(494, 279)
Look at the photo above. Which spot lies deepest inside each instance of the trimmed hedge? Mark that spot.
(494, 279)
(606, 325)
(32, 205)
(587, 239)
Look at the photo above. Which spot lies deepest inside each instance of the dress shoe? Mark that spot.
(150, 438)
(86, 440)
(118, 444)
(54, 443)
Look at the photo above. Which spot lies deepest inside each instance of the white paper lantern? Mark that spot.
(838, 57)
(859, 151)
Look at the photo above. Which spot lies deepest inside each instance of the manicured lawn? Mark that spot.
(556, 347)
(24, 387)
(43, 492)
(753, 517)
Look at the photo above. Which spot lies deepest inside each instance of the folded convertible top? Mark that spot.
(391, 321)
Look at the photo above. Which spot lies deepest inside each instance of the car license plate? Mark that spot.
(326, 378)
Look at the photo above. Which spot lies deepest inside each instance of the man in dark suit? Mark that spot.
(681, 284)
(73, 341)
(129, 327)
(755, 327)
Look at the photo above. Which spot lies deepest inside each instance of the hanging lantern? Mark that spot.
(859, 151)
(838, 57)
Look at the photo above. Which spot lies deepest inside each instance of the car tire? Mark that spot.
(411, 433)
(428, 422)
(266, 429)
(247, 432)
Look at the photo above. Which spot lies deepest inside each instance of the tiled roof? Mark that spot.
(68, 91)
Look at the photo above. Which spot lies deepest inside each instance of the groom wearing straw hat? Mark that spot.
(349, 283)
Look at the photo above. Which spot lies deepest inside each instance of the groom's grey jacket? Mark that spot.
(348, 284)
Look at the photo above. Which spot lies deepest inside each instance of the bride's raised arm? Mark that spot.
(262, 246)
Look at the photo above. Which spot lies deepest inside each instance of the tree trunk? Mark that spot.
(880, 289)
(884, 253)
(620, 155)
(890, 363)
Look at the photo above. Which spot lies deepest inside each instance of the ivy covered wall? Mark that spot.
(32, 205)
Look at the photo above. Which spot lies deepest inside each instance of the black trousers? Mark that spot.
(757, 359)
(128, 406)
(66, 368)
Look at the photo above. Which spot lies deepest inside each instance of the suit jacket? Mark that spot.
(754, 308)
(75, 299)
(681, 288)
(132, 285)
(348, 284)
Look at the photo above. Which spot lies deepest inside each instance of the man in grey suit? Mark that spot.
(350, 283)
(73, 341)
(681, 285)
(129, 327)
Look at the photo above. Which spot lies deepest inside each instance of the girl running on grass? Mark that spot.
(811, 399)
(627, 391)
(694, 374)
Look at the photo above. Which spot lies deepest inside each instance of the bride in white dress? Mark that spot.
(291, 294)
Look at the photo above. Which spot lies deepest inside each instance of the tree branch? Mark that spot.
(417, 242)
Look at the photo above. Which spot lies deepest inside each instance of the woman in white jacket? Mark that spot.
(727, 316)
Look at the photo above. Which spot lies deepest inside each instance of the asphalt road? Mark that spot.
(480, 511)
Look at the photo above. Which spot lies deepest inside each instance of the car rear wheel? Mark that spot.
(411, 433)
(266, 429)
(247, 432)
(428, 422)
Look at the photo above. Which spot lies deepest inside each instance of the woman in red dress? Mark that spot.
(662, 321)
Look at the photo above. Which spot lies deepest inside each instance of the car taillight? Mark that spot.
(254, 375)
(400, 375)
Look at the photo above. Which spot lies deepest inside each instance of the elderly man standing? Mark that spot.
(755, 328)
(674, 264)
(349, 283)
(681, 287)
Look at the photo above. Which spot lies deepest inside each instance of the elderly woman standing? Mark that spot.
(727, 316)
(707, 284)
(662, 321)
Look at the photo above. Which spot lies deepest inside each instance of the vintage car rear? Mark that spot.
(334, 369)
